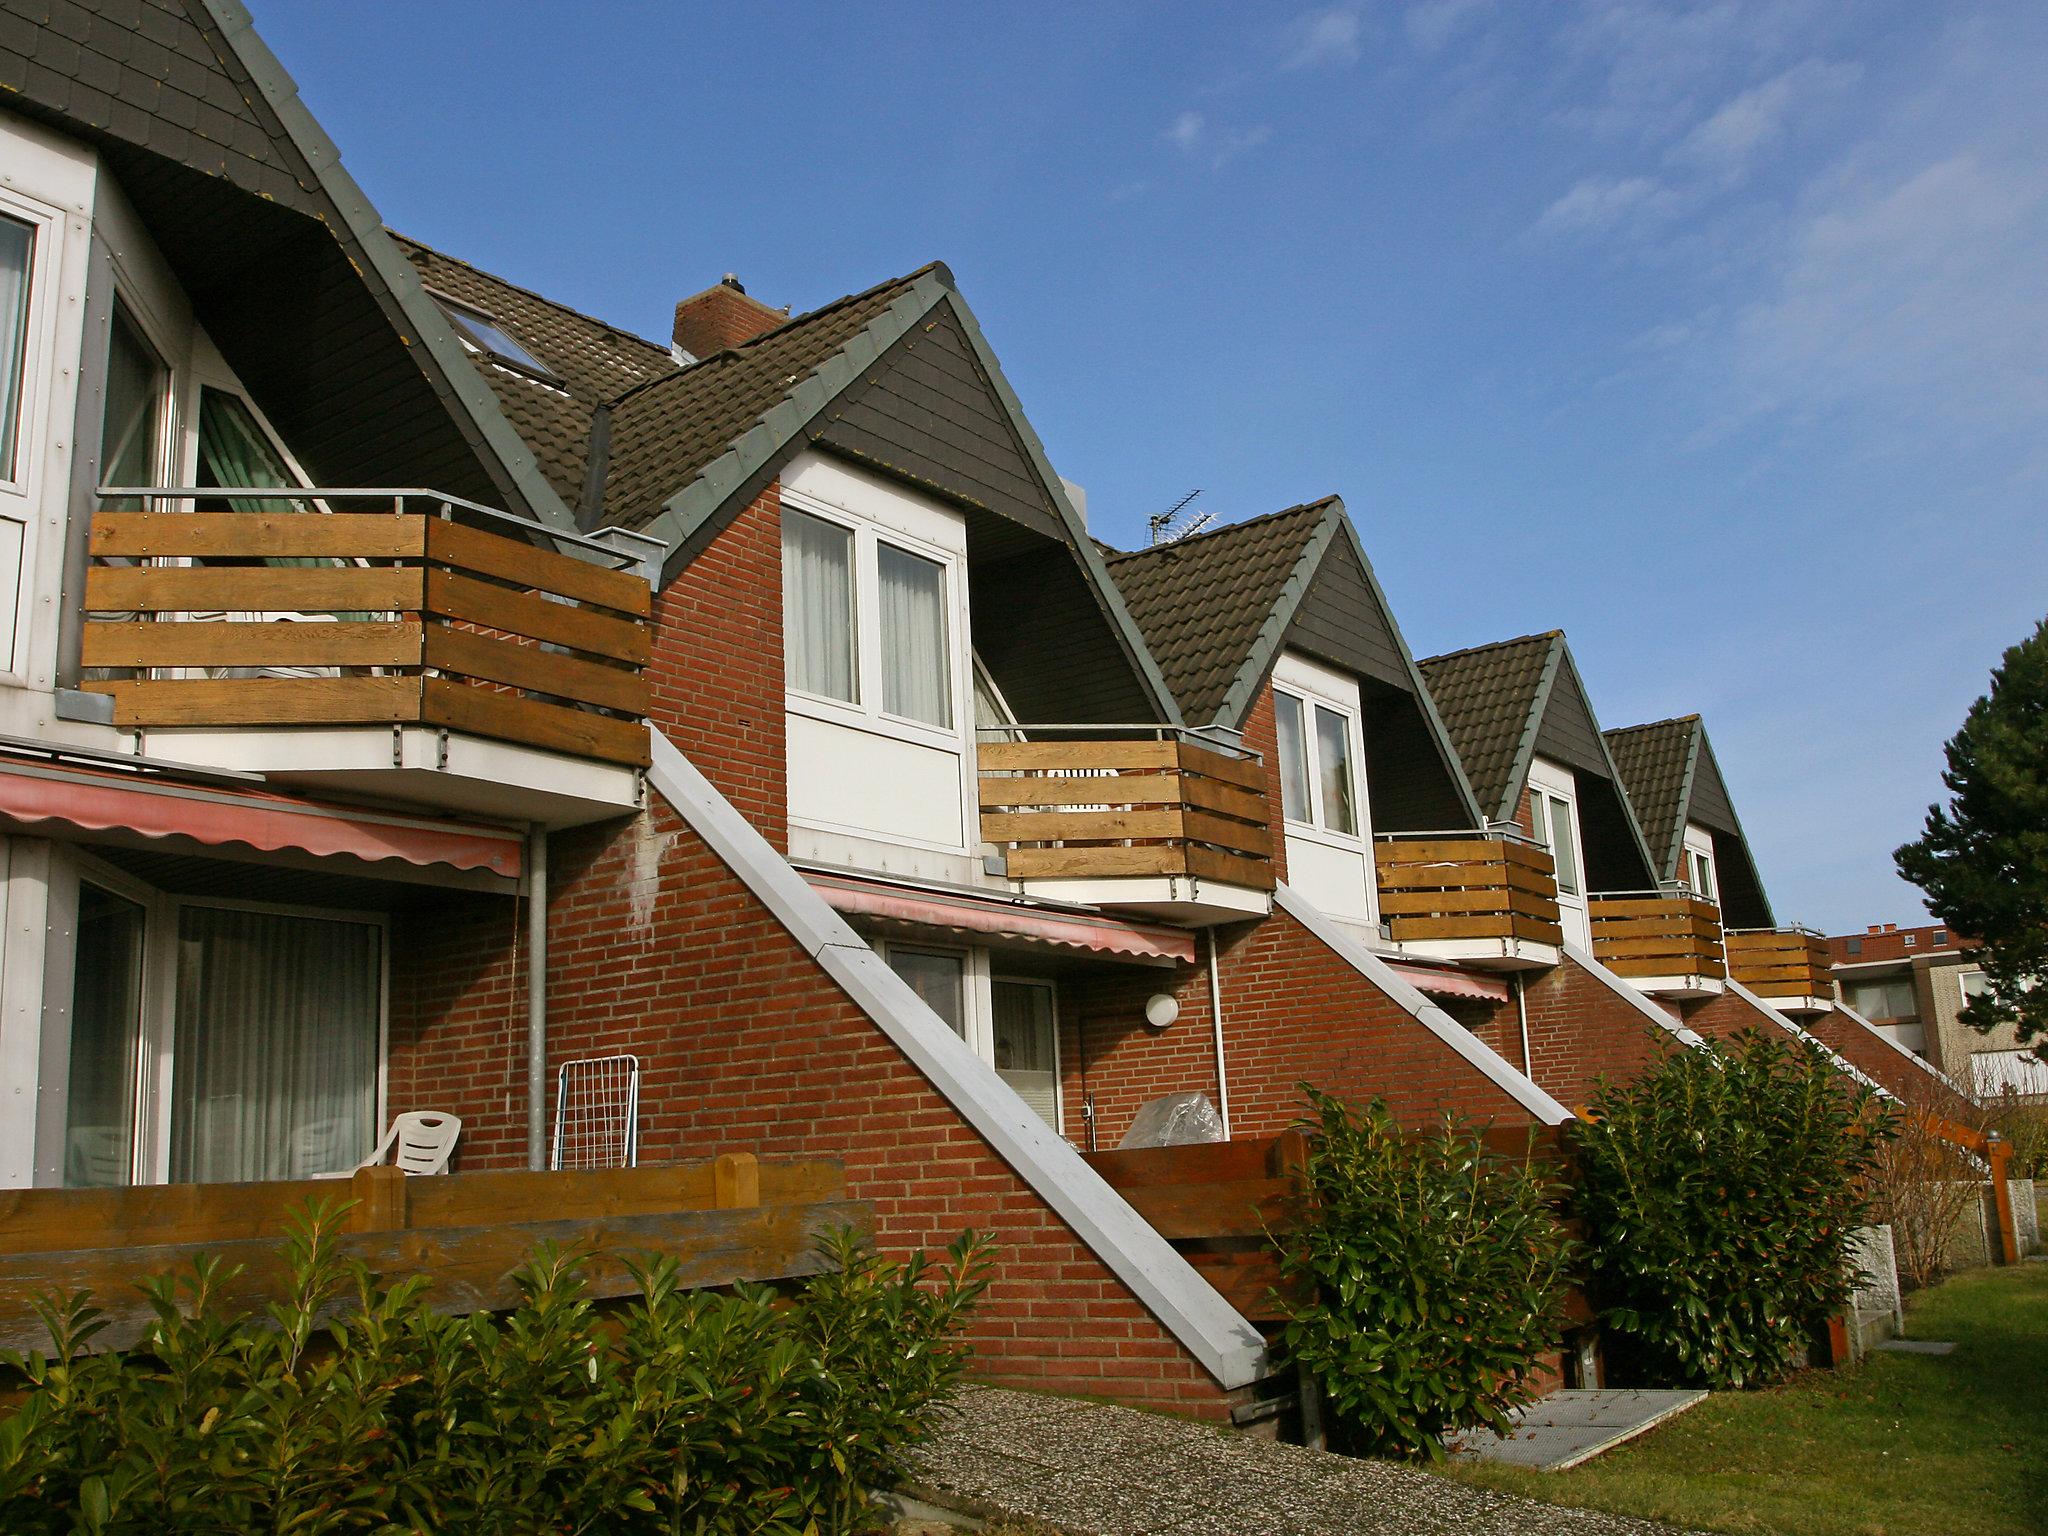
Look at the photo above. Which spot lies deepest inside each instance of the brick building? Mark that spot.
(1912, 984)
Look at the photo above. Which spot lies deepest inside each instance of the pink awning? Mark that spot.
(999, 919)
(154, 806)
(1443, 983)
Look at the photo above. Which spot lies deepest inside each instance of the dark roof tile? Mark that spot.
(1652, 761)
(1201, 601)
(1487, 697)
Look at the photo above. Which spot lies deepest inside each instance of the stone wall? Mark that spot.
(1874, 1310)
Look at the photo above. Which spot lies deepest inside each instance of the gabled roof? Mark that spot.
(1490, 698)
(1672, 778)
(1218, 607)
(1508, 703)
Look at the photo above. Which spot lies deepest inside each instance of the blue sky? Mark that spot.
(1715, 335)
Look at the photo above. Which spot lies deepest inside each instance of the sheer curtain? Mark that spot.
(274, 1065)
(17, 245)
(817, 607)
(1333, 753)
(1025, 1048)
(1288, 726)
(917, 674)
(106, 1034)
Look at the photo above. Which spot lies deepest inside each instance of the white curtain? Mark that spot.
(917, 676)
(1288, 725)
(1026, 1048)
(1333, 749)
(817, 607)
(274, 1067)
(17, 245)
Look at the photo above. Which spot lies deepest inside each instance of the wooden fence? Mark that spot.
(1788, 963)
(728, 1220)
(1449, 887)
(1653, 935)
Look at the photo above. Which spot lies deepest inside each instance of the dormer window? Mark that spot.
(480, 333)
(1318, 730)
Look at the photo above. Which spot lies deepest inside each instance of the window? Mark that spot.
(1703, 875)
(1909, 938)
(480, 333)
(1553, 821)
(17, 253)
(917, 676)
(1318, 781)
(1010, 1022)
(1855, 945)
(106, 1040)
(132, 425)
(1884, 999)
(819, 649)
(939, 980)
(1975, 984)
(1941, 936)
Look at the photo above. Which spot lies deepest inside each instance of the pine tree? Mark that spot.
(1983, 861)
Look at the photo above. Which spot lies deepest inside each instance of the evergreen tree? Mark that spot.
(1983, 861)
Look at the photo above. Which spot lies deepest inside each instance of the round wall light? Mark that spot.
(1161, 1009)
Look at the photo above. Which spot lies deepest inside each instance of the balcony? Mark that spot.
(1170, 827)
(388, 647)
(1786, 967)
(1666, 943)
(1486, 899)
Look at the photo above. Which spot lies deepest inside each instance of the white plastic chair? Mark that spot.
(425, 1141)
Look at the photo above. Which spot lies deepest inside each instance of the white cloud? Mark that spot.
(1192, 134)
(1321, 39)
(1603, 203)
(1187, 130)
(1723, 144)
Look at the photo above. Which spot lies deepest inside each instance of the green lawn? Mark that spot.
(1902, 1445)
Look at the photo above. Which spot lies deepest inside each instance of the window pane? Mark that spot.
(1539, 824)
(940, 980)
(1288, 725)
(106, 1037)
(1703, 874)
(1333, 764)
(817, 607)
(483, 334)
(917, 672)
(17, 247)
(1564, 845)
(1027, 1056)
(133, 424)
(274, 1058)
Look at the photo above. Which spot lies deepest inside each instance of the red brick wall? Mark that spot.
(1580, 1031)
(1876, 1057)
(1261, 735)
(716, 674)
(1727, 1015)
(721, 316)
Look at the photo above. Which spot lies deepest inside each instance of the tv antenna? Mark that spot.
(1169, 527)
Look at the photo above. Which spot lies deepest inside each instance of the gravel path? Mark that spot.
(1102, 1471)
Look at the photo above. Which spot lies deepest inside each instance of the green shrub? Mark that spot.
(353, 1407)
(2024, 1125)
(1431, 1277)
(1719, 1193)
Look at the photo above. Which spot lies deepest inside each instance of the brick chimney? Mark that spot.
(722, 316)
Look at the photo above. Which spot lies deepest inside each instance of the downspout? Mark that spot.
(1522, 1018)
(1216, 1020)
(536, 997)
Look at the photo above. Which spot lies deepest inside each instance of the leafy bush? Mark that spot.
(1719, 1193)
(677, 1411)
(1432, 1276)
(2024, 1125)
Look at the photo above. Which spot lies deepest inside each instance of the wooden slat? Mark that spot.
(498, 660)
(270, 643)
(450, 596)
(471, 1267)
(253, 535)
(1607, 907)
(1491, 926)
(1243, 836)
(1535, 930)
(1124, 789)
(1196, 1162)
(1247, 1281)
(1093, 863)
(554, 727)
(1213, 864)
(1666, 965)
(1078, 826)
(1225, 1208)
(1431, 877)
(1210, 763)
(799, 1183)
(251, 589)
(266, 701)
(1672, 929)
(488, 1199)
(1072, 756)
(509, 559)
(1662, 945)
(1423, 903)
(1437, 850)
(1224, 799)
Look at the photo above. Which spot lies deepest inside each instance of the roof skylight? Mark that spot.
(480, 333)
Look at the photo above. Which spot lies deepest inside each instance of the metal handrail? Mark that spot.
(1671, 890)
(1212, 737)
(1798, 928)
(647, 560)
(1501, 832)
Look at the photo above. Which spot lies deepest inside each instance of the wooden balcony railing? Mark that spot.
(1657, 933)
(1780, 962)
(1439, 886)
(392, 616)
(731, 1219)
(1096, 809)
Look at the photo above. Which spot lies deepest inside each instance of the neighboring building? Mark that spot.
(1912, 984)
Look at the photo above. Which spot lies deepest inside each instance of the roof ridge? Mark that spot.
(1319, 504)
(405, 240)
(1651, 725)
(1492, 645)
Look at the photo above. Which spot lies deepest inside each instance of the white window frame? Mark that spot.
(1557, 784)
(46, 223)
(154, 1087)
(1699, 846)
(1317, 687)
(979, 975)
